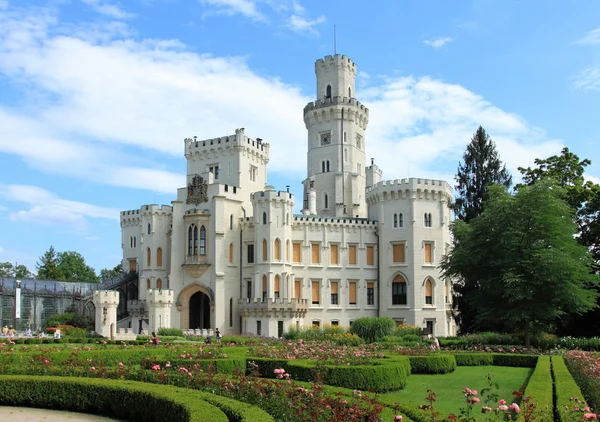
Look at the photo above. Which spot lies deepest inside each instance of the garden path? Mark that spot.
(28, 414)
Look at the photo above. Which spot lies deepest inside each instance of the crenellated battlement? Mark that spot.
(409, 188)
(154, 209)
(337, 60)
(193, 145)
(159, 295)
(313, 105)
(106, 297)
(270, 194)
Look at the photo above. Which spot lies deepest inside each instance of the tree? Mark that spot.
(107, 274)
(47, 268)
(584, 197)
(529, 267)
(480, 168)
(73, 267)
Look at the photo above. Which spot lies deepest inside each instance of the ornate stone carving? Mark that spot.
(197, 191)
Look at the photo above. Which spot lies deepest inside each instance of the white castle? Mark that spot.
(232, 255)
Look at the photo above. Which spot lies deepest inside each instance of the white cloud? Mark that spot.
(588, 79)
(591, 38)
(108, 9)
(48, 209)
(300, 25)
(438, 42)
(246, 8)
(592, 179)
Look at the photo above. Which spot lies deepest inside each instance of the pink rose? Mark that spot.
(515, 407)
(503, 407)
(502, 401)
(475, 400)
(398, 418)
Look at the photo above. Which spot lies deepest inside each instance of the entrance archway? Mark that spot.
(199, 311)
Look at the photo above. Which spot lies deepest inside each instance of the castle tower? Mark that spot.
(336, 125)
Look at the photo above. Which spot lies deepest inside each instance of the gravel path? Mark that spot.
(27, 414)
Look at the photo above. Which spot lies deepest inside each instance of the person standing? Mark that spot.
(218, 335)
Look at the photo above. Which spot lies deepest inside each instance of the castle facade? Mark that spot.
(230, 253)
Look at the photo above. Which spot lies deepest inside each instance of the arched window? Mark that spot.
(277, 286)
(231, 222)
(135, 241)
(349, 92)
(195, 240)
(345, 139)
(231, 253)
(328, 93)
(149, 229)
(358, 168)
(190, 240)
(345, 155)
(264, 250)
(322, 166)
(427, 220)
(428, 292)
(326, 200)
(264, 218)
(264, 286)
(395, 220)
(277, 250)
(202, 241)
(287, 250)
(148, 257)
(159, 257)
(231, 312)
(400, 220)
(328, 166)
(131, 241)
(148, 284)
(399, 291)
(159, 284)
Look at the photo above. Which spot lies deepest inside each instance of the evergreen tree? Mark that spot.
(108, 274)
(47, 268)
(530, 269)
(481, 167)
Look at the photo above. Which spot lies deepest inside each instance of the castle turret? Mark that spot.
(336, 125)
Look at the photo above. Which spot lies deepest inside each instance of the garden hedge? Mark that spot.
(221, 365)
(432, 364)
(515, 360)
(123, 399)
(474, 359)
(540, 389)
(566, 390)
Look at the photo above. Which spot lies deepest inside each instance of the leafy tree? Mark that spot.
(584, 197)
(480, 168)
(73, 267)
(107, 274)
(8, 270)
(47, 268)
(529, 267)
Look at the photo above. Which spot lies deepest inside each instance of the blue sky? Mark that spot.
(96, 96)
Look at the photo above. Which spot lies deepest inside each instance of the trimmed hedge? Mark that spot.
(516, 361)
(474, 359)
(124, 399)
(540, 389)
(565, 389)
(221, 366)
(432, 364)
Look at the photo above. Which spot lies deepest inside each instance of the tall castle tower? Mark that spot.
(336, 124)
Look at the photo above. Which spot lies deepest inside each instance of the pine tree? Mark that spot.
(481, 168)
(48, 266)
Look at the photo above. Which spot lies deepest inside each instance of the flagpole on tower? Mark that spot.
(334, 41)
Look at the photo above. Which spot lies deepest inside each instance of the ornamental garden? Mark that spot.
(372, 372)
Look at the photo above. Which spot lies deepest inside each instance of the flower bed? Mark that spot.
(585, 369)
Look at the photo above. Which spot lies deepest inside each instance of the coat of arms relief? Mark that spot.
(197, 190)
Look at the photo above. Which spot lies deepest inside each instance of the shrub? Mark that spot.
(566, 390)
(404, 330)
(539, 388)
(433, 364)
(373, 329)
(474, 359)
(174, 332)
(490, 338)
(520, 361)
(585, 369)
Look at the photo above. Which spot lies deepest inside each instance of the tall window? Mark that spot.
(264, 286)
(316, 293)
(249, 289)
(231, 222)
(297, 254)
(253, 171)
(287, 250)
(264, 250)
(349, 92)
(327, 166)
(427, 220)
(358, 168)
(215, 170)
(370, 293)
(399, 291)
(352, 254)
(334, 258)
(231, 312)
(326, 200)
(352, 292)
(159, 284)
(131, 242)
(231, 253)
(428, 292)
(148, 257)
(395, 220)
(328, 92)
(428, 253)
(323, 167)
(202, 241)
(148, 284)
(135, 241)
(370, 255)
(264, 218)
(277, 283)
(190, 240)
(159, 257)
(316, 253)
(251, 254)
(334, 293)
(298, 288)
(258, 328)
(400, 220)
(277, 250)
(149, 228)
(398, 252)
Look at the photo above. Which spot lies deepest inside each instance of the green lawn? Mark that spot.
(448, 387)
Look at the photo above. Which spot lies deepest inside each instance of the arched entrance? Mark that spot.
(199, 311)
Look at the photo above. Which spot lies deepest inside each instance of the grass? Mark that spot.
(448, 387)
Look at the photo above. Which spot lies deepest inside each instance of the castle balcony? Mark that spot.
(278, 307)
(196, 265)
